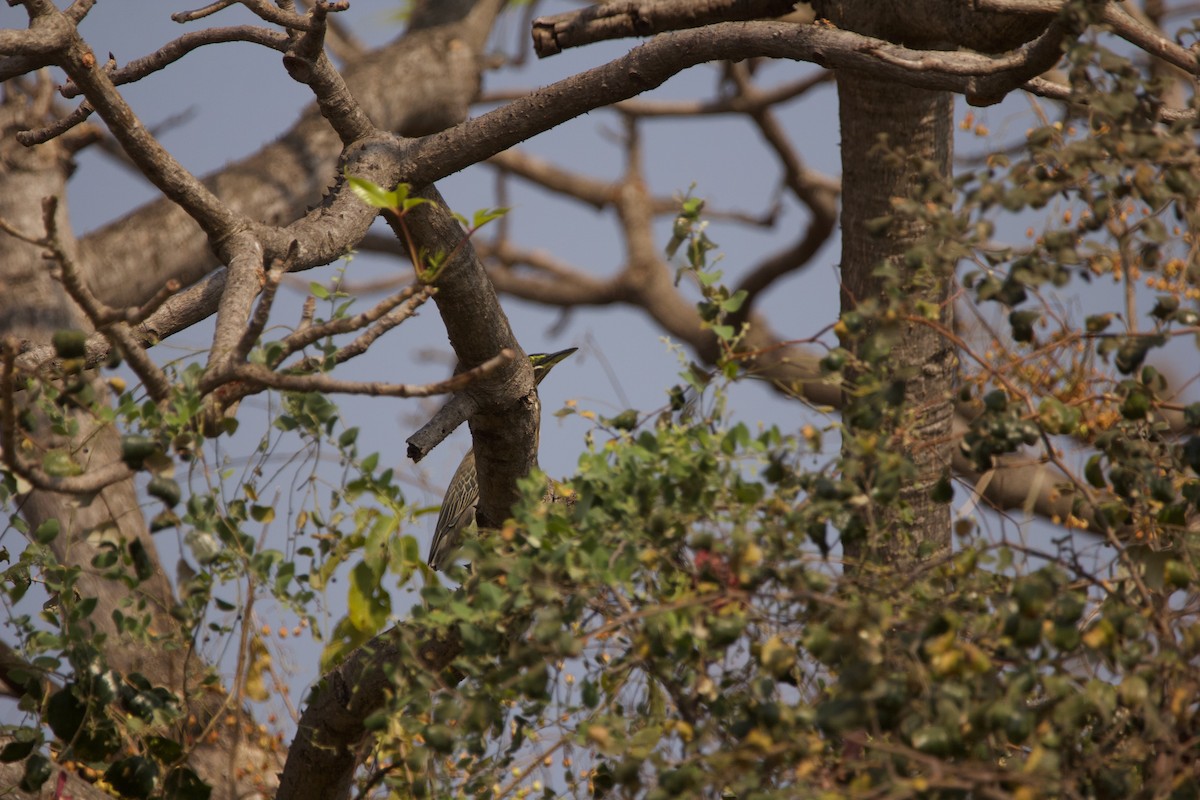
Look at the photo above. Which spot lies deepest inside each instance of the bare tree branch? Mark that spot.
(618, 20)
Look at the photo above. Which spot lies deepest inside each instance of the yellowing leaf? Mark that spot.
(254, 686)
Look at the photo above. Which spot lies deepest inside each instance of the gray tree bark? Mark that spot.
(896, 140)
(877, 116)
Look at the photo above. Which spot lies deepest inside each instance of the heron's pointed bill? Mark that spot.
(542, 362)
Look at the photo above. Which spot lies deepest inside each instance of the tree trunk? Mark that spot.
(895, 141)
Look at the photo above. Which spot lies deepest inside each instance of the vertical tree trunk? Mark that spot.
(895, 140)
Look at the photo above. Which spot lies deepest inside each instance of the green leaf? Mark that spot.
(165, 749)
(59, 464)
(375, 195)
(439, 738)
(369, 604)
(591, 693)
(69, 343)
(135, 449)
(143, 562)
(735, 301)
(318, 291)
(1022, 323)
(133, 777)
(165, 489)
(933, 739)
(777, 657)
(943, 490)
(486, 215)
(64, 714)
(723, 332)
(1136, 405)
(184, 784)
(1094, 473)
(1164, 306)
(625, 421)
(879, 226)
(47, 532)
(37, 772)
(19, 749)
(263, 514)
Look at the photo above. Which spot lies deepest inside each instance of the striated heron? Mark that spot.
(462, 495)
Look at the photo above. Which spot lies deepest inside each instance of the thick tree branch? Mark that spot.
(506, 417)
(1122, 22)
(624, 18)
(981, 78)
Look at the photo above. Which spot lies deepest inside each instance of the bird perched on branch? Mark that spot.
(462, 496)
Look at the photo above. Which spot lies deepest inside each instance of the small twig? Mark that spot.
(385, 319)
(58, 128)
(307, 63)
(1058, 91)
(262, 312)
(148, 308)
(308, 333)
(260, 376)
(176, 49)
(241, 380)
(11, 230)
(339, 39)
(596, 193)
(201, 13)
(306, 313)
(447, 419)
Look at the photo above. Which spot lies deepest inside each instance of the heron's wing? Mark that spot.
(458, 510)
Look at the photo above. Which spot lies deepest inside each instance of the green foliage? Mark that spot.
(672, 631)
(396, 200)
(719, 306)
(680, 628)
(398, 204)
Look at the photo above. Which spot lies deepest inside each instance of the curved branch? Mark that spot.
(981, 78)
(176, 49)
(552, 35)
(1120, 20)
